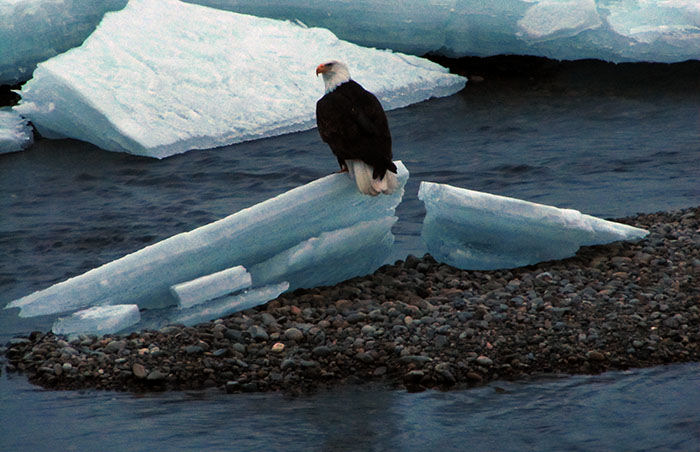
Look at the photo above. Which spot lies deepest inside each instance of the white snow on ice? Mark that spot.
(480, 231)
(15, 133)
(161, 78)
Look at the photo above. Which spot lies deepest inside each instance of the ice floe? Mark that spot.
(161, 78)
(288, 239)
(612, 30)
(15, 132)
(479, 231)
(32, 31)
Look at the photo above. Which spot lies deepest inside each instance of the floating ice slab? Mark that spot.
(35, 30)
(331, 257)
(479, 231)
(228, 305)
(15, 133)
(212, 286)
(163, 77)
(248, 237)
(613, 30)
(98, 320)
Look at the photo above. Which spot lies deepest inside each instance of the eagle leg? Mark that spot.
(343, 166)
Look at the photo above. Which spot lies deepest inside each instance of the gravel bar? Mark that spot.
(417, 324)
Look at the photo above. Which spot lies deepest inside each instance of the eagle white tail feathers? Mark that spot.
(362, 174)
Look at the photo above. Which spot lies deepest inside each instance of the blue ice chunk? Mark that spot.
(221, 307)
(98, 320)
(331, 257)
(247, 237)
(32, 31)
(479, 231)
(163, 77)
(212, 286)
(15, 133)
(613, 30)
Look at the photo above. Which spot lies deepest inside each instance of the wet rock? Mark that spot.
(293, 334)
(484, 361)
(258, 333)
(139, 370)
(115, 346)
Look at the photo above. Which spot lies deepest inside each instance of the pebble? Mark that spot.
(484, 361)
(293, 334)
(278, 347)
(258, 333)
(139, 371)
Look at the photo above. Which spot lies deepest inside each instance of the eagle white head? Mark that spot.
(334, 73)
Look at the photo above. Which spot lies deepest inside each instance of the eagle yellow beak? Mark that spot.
(320, 69)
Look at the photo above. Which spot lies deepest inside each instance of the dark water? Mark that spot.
(67, 207)
(654, 409)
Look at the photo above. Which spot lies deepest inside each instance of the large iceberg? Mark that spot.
(15, 132)
(612, 30)
(274, 239)
(161, 78)
(480, 231)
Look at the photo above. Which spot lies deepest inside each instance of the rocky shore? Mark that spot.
(417, 324)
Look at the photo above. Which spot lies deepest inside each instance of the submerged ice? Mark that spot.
(480, 231)
(289, 239)
(161, 78)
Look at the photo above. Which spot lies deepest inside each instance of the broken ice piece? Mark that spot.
(211, 286)
(480, 231)
(331, 257)
(228, 305)
(98, 320)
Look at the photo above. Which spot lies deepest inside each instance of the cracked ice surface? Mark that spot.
(480, 231)
(161, 78)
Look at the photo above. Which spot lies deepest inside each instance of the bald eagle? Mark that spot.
(353, 123)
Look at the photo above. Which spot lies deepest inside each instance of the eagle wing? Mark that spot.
(353, 123)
